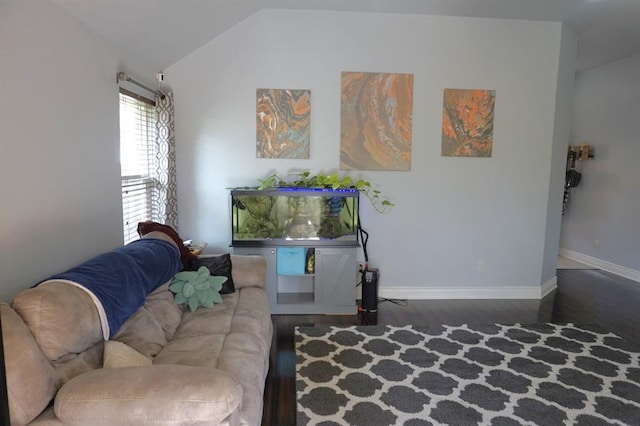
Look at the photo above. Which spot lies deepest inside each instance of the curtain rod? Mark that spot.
(122, 76)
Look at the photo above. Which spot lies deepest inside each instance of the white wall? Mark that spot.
(59, 143)
(562, 129)
(450, 212)
(606, 206)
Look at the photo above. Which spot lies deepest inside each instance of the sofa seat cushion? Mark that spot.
(234, 337)
(196, 351)
(245, 311)
(203, 321)
(156, 395)
(243, 357)
(253, 316)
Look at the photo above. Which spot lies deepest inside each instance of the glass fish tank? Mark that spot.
(294, 216)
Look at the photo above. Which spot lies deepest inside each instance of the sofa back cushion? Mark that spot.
(142, 332)
(162, 305)
(153, 325)
(61, 317)
(31, 380)
(248, 270)
(73, 365)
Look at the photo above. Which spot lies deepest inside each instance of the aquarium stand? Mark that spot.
(309, 279)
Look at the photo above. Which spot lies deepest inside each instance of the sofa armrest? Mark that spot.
(248, 270)
(158, 395)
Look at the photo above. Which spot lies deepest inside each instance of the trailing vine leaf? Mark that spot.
(268, 182)
(334, 181)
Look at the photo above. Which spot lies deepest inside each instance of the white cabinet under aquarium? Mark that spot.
(330, 289)
(309, 238)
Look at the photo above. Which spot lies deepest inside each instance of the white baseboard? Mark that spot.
(623, 271)
(548, 287)
(432, 293)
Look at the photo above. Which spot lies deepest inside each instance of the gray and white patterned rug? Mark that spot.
(518, 374)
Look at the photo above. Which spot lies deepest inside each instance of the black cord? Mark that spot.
(363, 236)
(400, 302)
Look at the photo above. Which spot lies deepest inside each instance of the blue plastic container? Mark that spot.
(290, 260)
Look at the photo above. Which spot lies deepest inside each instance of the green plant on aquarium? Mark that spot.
(333, 181)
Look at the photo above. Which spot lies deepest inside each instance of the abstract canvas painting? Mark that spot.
(467, 122)
(376, 121)
(283, 119)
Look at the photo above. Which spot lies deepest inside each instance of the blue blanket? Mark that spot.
(121, 279)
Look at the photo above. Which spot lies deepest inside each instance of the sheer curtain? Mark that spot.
(166, 197)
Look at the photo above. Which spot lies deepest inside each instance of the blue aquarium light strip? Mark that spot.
(303, 189)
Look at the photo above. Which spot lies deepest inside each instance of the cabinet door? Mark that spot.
(335, 283)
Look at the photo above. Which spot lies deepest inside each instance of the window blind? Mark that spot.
(137, 162)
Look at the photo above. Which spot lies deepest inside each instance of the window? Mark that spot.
(137, 161)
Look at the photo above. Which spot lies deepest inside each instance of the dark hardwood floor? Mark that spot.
(582, 296)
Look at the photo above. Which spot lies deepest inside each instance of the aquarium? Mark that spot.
(294, 216)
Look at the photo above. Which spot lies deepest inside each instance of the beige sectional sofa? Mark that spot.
(165, 366)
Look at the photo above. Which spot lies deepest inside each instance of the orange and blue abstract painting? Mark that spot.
(283, 118)
(376, 121)
(467, 122)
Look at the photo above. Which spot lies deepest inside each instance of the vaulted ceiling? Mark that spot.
(161, 32)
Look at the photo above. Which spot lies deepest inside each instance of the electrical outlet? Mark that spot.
(596, 243)
(360, 267)
(480, 265)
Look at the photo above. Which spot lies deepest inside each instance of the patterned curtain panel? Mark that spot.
(166, 199)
